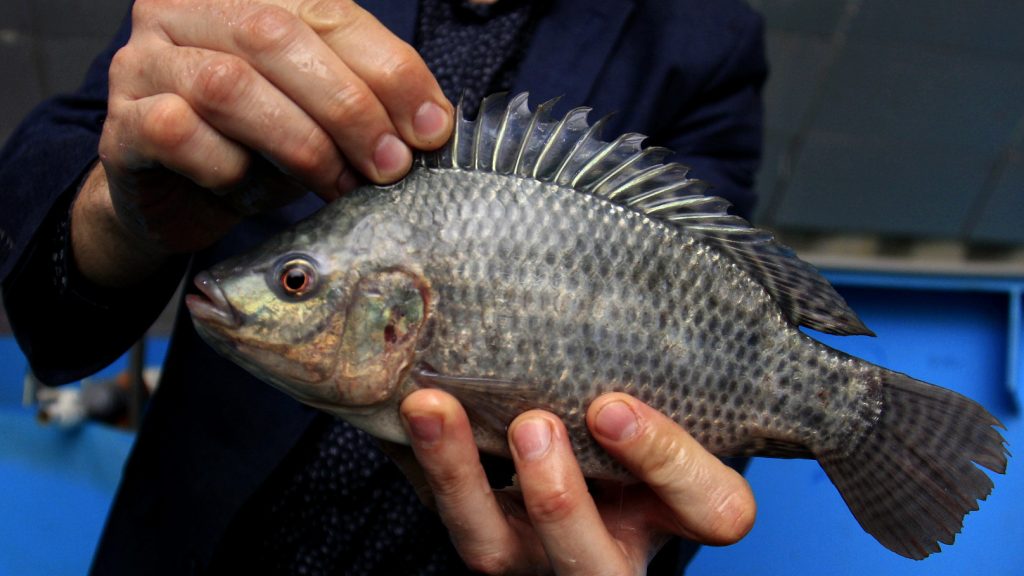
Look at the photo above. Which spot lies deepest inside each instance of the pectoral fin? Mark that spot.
(491, 403)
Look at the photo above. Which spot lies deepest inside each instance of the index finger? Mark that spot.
(558, 502)
(392, 69)
(372, 111)
(709, 501)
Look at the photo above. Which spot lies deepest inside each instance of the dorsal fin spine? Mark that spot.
(599, 157)
(479, 129)
(553, 142)
(505, 150)
(580, 144)
(644, 176)
(528, 136)
(517, 167)
(500, 139)
(643, 154)
(666, 204)
(595, 187)
(456, 138)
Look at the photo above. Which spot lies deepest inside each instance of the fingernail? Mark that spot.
(391, 156)
(322, 16)
(425, 428)
(430, 122)
(616, 421)
(532, 438)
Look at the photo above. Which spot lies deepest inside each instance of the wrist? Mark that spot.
(103, 250)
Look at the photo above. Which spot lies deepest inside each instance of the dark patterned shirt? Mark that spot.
(474, 49)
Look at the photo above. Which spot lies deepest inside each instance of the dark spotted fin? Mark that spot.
(508, 138)
(913, 478)
(491, 403)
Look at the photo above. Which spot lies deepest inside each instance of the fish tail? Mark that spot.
(911, 480)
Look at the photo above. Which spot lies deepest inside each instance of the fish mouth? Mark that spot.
(211, 306)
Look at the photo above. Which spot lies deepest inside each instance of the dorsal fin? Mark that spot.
(507, 138)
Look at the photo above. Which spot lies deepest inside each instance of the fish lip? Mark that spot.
(211, 306)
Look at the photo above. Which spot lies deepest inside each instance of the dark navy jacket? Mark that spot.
(687, 72)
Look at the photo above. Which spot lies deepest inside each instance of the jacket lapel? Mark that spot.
(399, 16)
(569, 49)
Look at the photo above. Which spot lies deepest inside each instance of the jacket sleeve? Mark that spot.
(718, 133)
(66, 327)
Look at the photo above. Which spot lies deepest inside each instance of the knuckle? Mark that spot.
(496, 562)
(167, 124)
(221, 80)
(662, 466)
(126, 74)
(316, 154)
(267, 28)
(219, 166)
(122, 63)
(225, 176)
(729, 516)
(347, 105)
(229, 174)
(449, 485)
(732, 519)
(553, 506)
(401, 65)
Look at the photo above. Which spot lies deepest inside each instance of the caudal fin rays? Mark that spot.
(911, 480)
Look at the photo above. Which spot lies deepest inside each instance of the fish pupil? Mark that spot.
(295, 280)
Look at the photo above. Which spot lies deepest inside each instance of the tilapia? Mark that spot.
(531, 264)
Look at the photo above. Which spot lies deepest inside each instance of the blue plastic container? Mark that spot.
(960, 333)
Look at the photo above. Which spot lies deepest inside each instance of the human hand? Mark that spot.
(205, 93)
(557, 526)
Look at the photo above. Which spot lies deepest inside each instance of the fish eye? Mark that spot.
(296, 277)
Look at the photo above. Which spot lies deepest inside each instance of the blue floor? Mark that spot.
(56, 485)
(56, 489)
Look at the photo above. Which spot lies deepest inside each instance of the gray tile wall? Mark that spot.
(46, 47)
(900, 119)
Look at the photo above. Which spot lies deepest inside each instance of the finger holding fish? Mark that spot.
(449, 463)
(554, 523)
(704, 499)
(331, 61)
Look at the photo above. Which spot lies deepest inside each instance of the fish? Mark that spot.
(529, 263)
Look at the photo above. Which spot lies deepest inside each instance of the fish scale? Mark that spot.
(529, 264)
(604, 363)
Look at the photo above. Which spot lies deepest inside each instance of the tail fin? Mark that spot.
(912, 480)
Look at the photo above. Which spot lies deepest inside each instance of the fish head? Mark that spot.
(338, 337)
(276, 317)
